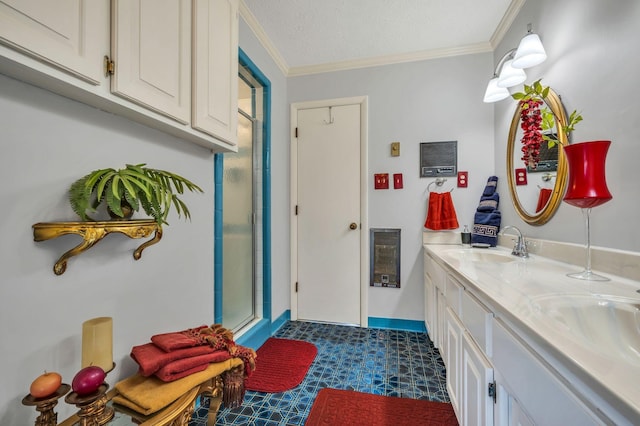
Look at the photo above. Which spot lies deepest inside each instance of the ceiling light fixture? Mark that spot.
(510, 69)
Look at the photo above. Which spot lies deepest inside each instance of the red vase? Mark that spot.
(587, 185)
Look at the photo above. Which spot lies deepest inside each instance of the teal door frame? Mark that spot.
(261, 331)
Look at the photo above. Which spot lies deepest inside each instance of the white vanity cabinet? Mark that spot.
(169, 64)
(501, 367)
(71, 35)
(463, 349)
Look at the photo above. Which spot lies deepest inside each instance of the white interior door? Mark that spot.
(329, 214)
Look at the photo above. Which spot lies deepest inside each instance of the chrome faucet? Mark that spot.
(520, 248)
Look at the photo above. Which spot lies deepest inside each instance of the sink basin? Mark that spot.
(608, 323)
(482, 255)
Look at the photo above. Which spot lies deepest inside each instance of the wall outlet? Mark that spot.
(463, 179)
(521, 176)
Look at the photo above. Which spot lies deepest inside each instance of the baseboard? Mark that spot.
(280, 321)
(257, 335)
(397, 324)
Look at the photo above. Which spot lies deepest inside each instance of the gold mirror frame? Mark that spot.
(540, 218)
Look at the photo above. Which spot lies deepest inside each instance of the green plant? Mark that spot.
(135, 186)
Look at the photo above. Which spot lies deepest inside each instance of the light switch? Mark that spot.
(395, 149)
(381, 181)
(397, 181)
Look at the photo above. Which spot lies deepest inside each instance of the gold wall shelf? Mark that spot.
(93, 232)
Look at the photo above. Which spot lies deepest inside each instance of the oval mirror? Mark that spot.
(537, 193)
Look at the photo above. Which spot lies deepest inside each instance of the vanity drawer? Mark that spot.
(435, 271)
(454, 294)
(541, 392)
(477, 319)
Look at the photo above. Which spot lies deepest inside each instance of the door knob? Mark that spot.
(353, 226)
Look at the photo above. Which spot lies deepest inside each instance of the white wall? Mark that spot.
(414, 102)
(47, 142)
(593, 65)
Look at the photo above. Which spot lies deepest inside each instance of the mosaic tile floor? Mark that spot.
(383, 362)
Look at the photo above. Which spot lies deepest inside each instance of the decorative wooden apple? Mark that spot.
(88, 380)
(45, 385)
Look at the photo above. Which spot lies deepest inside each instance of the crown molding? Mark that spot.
(257, 29)
(390, 59)
(496, 38)
(506, 22)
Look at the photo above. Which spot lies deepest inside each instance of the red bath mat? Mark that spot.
(281, 365)
(349, 408)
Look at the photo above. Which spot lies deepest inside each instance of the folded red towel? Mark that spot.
(179, 339)
(183, 367)
(169, 377)
(214, 338)
(151, 358)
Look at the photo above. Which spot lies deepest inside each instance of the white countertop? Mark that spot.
(573, 319)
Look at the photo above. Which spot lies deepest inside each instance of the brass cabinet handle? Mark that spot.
(353, 226)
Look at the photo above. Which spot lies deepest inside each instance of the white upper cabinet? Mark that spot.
(72, 35)
(151, 48)
(160, 53)
(215, 68)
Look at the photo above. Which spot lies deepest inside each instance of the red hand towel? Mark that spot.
(179, 339)
(151, 358)
(544, 196)
(440, 212)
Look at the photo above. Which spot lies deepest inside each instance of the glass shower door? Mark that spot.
(238, 229)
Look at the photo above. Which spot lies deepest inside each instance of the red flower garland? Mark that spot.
(530, 123)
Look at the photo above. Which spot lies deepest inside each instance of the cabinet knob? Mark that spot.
(353, 226)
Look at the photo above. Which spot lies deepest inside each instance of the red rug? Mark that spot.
(281, 365)
(341, 407)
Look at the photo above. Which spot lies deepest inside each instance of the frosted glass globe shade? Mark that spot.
(495, 93)
(510, 76)
(530, 52)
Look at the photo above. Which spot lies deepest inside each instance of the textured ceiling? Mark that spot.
(313, 33)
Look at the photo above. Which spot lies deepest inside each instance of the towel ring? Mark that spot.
(547, 177)
(438, 182)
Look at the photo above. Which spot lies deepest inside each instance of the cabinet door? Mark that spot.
(215, 69)
(151, 48)
(72, 35)
(440, 323)
(453, 358)
(430, 306)
(477, 373)
(427, 299)
(517, 416)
